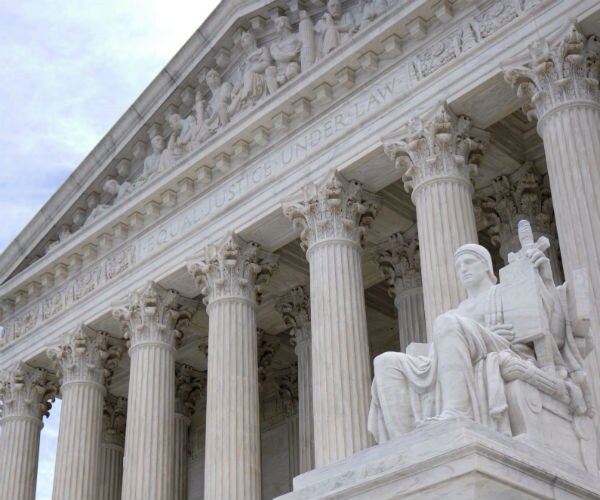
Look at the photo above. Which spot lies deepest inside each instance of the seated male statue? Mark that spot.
(462, 375)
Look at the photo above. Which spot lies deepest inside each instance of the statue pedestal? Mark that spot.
(450, 459)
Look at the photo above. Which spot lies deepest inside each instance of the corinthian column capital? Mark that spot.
(294, 308)
(442, 147)
(154, 314)
(399, 261)
(336, 209)
(25, 391)
(189, 387)
(564, 73)
(114, 418)
(85, 355)
(234, 269)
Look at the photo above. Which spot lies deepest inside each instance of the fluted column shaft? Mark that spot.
(230, 277)
(24, 392)
(340, 351)
(572, 144)
(232, 460)
(294, 307)
(19, 453)
(112, 471)
(560, 87)
(438, 157)
(400, 263)
(305, 407)
(445, 221)
(113, 440)
(149, 439)
(150, 320)
(78, 453)
(334, 216)
(82, 361)
(411, 316)
(182, 426)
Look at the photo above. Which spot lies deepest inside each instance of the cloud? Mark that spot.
(68, 71)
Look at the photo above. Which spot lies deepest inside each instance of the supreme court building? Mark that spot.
(207, 291)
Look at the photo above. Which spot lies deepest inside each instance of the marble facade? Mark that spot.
(208, 291)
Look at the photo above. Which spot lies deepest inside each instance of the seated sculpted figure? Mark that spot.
(152, 162)
(335, 28)
(219, 106)
(258, 74)
(462, 375)
(285, 50)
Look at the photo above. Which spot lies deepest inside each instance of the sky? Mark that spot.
(68, 71)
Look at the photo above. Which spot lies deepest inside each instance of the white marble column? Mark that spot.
(149, 321)
(82, 361)
(188, 388)
(113, 443)
(230, 277)
(24, 392)
(294, 307)
(438, 157)
(333, 218)
(561, 89)
(399, 261)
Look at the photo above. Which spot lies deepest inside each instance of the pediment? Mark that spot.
(280, 40)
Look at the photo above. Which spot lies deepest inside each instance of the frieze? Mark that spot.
(71, 292)
(495, 16)
(244, 183)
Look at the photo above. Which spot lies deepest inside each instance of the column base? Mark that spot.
(449, 459)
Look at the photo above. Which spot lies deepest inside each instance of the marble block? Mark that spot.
(449, 459)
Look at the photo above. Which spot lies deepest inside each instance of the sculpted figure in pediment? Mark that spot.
(258, 74)
(181, 138)
(219, 109)
(524, 331)
(285, 50)
(153, 160)
(112, 193)
(201, 130)
(372, 9)
(335, 28)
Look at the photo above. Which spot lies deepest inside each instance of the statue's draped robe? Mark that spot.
(459, 378)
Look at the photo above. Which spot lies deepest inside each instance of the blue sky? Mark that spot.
(68, 71)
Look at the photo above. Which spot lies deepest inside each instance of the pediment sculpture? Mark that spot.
(258, 71)
(510, 357)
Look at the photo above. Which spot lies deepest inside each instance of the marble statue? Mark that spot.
(258, 74)
(201, 130)
(285, 50)
(152, 161)
(112, 193)
(523, 321)
(335, 28)
(181, 138)
(219, 106)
